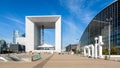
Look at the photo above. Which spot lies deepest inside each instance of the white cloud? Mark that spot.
(70, 25)
(72, 32)
(15, 20)
(71, 5)
(87, 18)
(80, 15)
(11, 23)
(79, 9)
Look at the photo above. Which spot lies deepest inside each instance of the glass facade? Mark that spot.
(99, 26)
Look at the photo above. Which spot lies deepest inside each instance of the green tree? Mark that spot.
(113, 51)
(105, 51)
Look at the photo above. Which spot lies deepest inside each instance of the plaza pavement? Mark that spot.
(73, 61)
(23, 64)
(63, 61)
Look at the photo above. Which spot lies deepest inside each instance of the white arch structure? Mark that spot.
(94, 51)
(33, 26)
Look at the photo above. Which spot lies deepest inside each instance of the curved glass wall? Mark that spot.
(98, 26)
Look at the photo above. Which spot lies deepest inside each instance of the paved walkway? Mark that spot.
(72, 61)
(63, 61)
(34, 64)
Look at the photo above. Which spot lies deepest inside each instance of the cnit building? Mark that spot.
(99, 26)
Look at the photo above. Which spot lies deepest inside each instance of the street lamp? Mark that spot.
(78, 45)
(109, 21)
(0, 48)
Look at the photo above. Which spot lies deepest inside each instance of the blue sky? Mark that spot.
(76, 15)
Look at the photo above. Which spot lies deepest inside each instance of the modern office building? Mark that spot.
(17, 38)
(3, 46)
(17, 48)
(71, 47)
(99, 26)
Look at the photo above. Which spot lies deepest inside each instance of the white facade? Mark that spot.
(20, 40)
(17, 38)
(33, 27)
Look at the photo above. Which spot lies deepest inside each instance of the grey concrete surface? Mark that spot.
(73, 61)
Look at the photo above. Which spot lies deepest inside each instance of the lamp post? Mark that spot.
(78, 45)
(0, 49)
(109, 21)
(0, 46)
